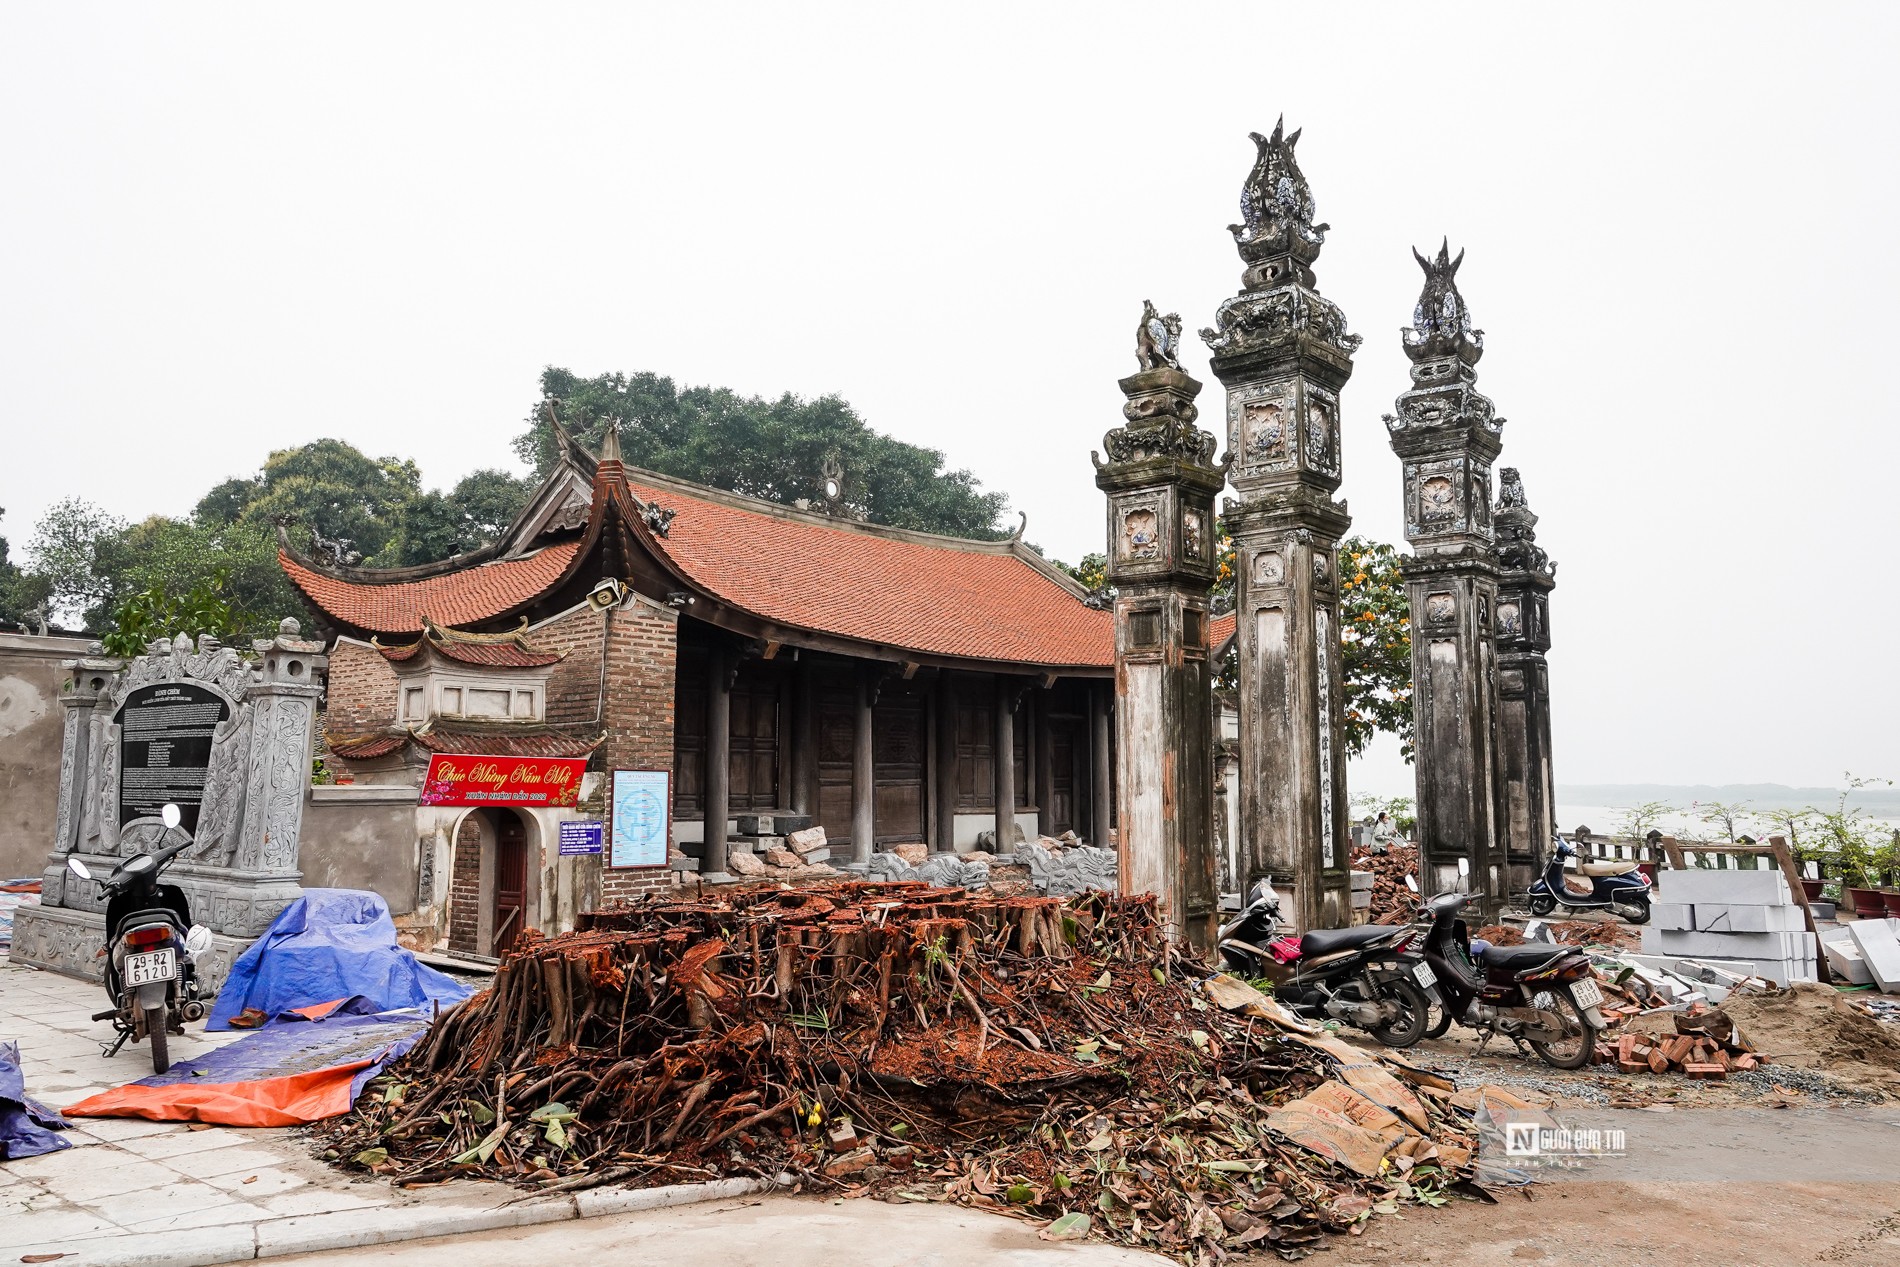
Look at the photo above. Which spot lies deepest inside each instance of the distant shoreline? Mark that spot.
(1880, 800)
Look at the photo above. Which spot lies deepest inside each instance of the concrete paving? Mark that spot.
(765, 1231)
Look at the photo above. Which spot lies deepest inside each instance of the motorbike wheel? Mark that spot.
(1439, 1021)
(1579, 1045)
(1542, 904)
(1412, 1019)
(155, 1034)
(1636, 912)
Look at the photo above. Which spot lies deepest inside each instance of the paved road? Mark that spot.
(757, 1232)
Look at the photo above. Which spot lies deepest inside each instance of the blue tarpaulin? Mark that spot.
(26, 1126)
(330, 944)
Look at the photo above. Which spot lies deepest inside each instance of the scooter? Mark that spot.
(1541, 995)
(1614, 886)
(1353, 975)
(151, 948)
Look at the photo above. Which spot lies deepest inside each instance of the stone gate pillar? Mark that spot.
(1283, 353)
(1447, 436)
(1523, 636)
(1161, 478)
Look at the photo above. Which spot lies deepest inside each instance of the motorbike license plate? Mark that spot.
(156, 965)
(1586, 994)
(1423, 974)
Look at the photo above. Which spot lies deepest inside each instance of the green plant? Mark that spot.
(1859, 845)
(1639, 820)
(154, 613)
(1728, 818)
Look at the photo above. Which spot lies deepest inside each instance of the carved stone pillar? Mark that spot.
(1161, 479)
(1283, 353)
(1529, 792)
(1447, 436)
(91, 677)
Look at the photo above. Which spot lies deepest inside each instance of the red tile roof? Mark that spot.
(934, 598)
(1221, 630)
(455, 598)
(511, 652)
(500, 742)
(364, 747)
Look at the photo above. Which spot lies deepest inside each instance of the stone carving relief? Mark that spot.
(1323, 640)
(1193, 534)
(1441, 609)
(1322, 568)
(1169, 436)
(1437, 499)
(1158, 339)
(1141, 534)
(1510, 620)
(1322, 434)
(1267, 319)
(1269, 568)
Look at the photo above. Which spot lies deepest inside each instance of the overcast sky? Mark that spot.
(232, 229)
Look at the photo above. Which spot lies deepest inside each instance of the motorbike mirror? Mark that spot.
(171, 815)
(1464, 866)
(198, 940)
(1411, 882)
(78, 868)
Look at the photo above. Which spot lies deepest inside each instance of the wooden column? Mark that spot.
(863, 775)
(1100, 766)
(1005, 765)
(943, 771)
(801, 737)
(718, 779)
(1041, 774)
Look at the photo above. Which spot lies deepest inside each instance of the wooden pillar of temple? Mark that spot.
(1005, 765)
(718, 775)
(863, 773)
(1042, 767)
(943, 788)
(1101, 766)
(802, 739)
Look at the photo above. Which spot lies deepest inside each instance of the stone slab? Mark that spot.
(1744, 888)
(771, 824)
(1723, 917)
(1875, 940)
(1707, 945)
(1844, 957)
(1675, 916)
(67, 942)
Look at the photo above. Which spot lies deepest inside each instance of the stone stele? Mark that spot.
(225, 736)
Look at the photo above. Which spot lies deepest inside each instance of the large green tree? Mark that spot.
(772, 449)
(436, 525)
(328, 488)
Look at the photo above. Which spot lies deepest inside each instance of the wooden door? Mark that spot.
(753, 763)
(834, 728)
(1063, 759)
(900, 751)
(511, 880)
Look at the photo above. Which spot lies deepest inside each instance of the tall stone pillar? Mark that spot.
(1447, 436)
(1283, 353)
(1161, 478)
(1523, 636)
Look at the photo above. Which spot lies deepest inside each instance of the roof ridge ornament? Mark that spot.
(610, 443)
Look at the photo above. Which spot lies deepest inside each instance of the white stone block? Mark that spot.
(1703, 945)
(1878, 945)
(1677, 916)
(1742, 888)
(1845, 958)
(1724, 917)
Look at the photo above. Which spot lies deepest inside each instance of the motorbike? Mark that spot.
(1354, 975)
(1538, 994)
(151, 948)
(1615, 886)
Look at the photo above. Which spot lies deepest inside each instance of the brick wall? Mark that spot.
(465, 887)
(573, 690)
(642, 660)
(362, 689)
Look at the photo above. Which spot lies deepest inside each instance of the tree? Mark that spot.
(1728, 818)
(1375, 637)
(62, 558)
(173, 559)
(19, 592)
(327, 488)
(1640, 820)
(479, 509)
(155, 613)
(775, 450)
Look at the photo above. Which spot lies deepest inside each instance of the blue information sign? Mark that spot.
(641, 817)
(579, 836)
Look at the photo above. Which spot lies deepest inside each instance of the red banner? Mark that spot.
(541, 782)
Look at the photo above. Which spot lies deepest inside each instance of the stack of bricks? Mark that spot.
(1698, 1056)
(1746, 921)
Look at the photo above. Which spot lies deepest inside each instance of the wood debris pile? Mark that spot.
(1392, 902)
(1046, 1057)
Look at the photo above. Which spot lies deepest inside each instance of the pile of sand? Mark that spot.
(1813, 1027)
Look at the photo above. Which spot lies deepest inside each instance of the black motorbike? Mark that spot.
(1538, 994)
(151, 948)
(1354, 975)
(1619, 887)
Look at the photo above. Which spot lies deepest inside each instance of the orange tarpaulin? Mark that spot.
(291, 1101)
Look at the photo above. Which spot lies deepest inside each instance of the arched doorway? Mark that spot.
(490, 890)
(510, 890)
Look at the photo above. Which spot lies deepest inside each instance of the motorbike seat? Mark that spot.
(1524, 958)
(1612, 867)
(1326, 941)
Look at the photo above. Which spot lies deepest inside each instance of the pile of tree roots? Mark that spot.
(1054, 1058)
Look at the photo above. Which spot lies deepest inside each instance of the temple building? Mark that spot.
(893, 686)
